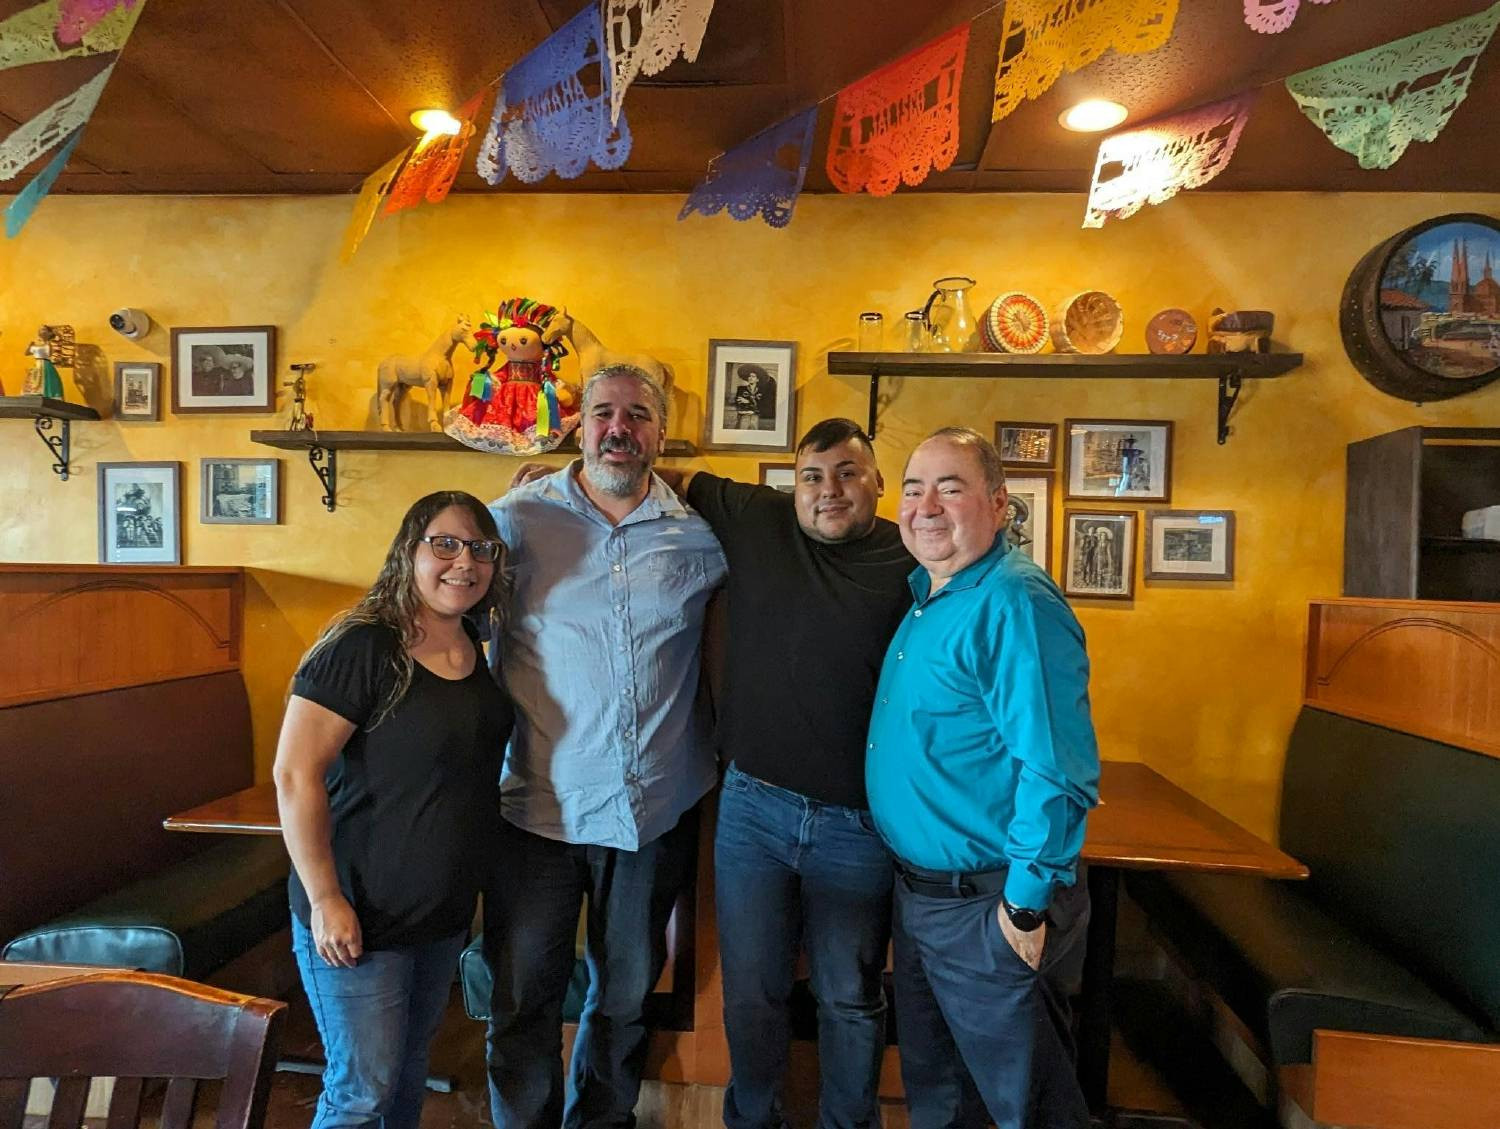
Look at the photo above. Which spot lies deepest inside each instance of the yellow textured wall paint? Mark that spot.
(1200, 680)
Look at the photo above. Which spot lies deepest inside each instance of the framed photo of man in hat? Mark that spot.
(752, 396)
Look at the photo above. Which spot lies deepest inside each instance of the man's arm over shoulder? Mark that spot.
(1037, 693)
(723, 502)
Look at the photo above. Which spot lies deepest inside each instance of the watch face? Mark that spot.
(1025, 920)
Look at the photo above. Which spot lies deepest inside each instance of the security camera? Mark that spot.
(133, 324)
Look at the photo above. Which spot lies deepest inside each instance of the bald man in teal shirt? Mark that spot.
(981, 768)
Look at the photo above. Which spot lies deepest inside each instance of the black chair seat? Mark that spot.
(187, 920)
(1287, 967)
(474, 974)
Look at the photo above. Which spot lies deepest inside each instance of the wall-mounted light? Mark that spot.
(436, 121)
(1093, 115)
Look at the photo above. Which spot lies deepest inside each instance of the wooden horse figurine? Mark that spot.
(592, 354)
(433, 370)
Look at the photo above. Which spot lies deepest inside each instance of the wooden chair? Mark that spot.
(134, 1027)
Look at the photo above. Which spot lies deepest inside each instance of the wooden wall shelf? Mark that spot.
(1229, 369)
(322, 449)
(44, 411)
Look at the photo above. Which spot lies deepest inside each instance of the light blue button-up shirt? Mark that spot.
(981, 751)
(600, 653)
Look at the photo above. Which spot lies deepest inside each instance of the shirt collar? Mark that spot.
(659, 501)
(970, 576)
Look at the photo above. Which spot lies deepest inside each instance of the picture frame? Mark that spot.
(224, 369)
(1031, 500)
(779, 476)
(239, 491)
(1026, 444)
(137, 391)
(1120, 459)
(1099, 558)
(139, 513)
(1190, 545)
(740, 413)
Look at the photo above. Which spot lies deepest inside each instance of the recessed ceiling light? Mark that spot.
(436, 121)
(1093, 115)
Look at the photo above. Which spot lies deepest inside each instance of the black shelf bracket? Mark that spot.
(874, 403)
(60, 445)
(1229, 394)
(327, 474)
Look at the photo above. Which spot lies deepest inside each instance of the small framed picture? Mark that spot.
(1119, 458)
(751, 403)
(224, 369)
(138, 508)
(1026, 444)
(1099, 561)
(1190, 545)
(1028, 524)
(240, 491)
(137, 390)
(781, 476)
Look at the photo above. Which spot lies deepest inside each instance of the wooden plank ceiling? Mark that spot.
(310, 96)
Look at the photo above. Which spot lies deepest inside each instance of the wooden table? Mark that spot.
(1145, 822)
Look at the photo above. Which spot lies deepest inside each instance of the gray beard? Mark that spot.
(617, 482)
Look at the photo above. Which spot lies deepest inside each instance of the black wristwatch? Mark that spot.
(1025, 920)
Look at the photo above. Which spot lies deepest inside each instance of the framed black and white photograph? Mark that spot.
(137, 390)
(1028, 524)
(1099, 560)
(779, 476)
(1190, 545)
(224, 369)
(1026, 444)
(751, 404)
(1119, 458)
(240, 491)
(138, 513)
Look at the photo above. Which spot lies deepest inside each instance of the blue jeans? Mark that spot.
(531, 909)
(376, 1021)
(979, 1029)
(790, 871)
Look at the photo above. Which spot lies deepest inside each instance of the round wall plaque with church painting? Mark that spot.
(1420, 314)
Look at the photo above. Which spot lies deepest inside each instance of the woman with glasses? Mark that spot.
(387, 777)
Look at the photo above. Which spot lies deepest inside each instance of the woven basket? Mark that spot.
(1014, 323)
(1088, 322)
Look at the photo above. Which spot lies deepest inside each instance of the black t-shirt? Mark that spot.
(808, 628)
(415, 801)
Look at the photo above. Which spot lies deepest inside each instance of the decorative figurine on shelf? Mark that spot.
(301, 419)
(47, 349)
(515, 403)
(593, 355)
(1240, 331)
(433, 370)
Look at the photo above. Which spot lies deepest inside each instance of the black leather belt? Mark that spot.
(951, 883)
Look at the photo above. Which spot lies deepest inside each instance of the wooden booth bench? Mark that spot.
(121, 701)
(1371, 992)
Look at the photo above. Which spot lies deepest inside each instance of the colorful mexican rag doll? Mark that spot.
(515, 404)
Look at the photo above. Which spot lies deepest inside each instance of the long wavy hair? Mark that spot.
(393, 600)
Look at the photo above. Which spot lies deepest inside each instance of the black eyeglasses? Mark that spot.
(446, 548)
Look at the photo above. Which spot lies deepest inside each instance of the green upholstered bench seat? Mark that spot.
(1393, 933)
(1288, 967)
(187, 920)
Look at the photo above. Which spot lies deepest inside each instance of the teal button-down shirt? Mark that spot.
(981, 749)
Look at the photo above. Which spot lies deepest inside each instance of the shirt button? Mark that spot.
(871, 745)
(885, 701)
(900, 655)
(917, 613)
(615, 568)
(619, 607)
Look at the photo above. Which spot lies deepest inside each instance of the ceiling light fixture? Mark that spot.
(1093, 115)
(436, 121)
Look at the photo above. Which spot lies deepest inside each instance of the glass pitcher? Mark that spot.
(950, 323)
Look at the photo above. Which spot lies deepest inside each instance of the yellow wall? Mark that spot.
(1200, 680)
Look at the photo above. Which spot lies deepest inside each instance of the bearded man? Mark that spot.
(599, 649)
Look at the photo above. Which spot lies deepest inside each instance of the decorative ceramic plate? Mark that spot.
(1172, 333)
(1014, 323)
